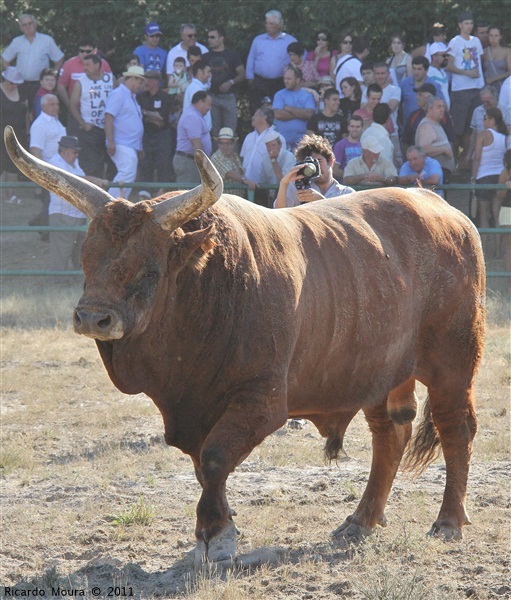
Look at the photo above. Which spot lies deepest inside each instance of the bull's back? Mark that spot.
(378, 267)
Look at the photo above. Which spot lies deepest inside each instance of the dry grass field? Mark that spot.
(93, 499)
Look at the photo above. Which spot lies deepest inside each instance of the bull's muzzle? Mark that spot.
(100, 325)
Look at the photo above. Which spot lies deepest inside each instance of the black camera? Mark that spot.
(310, 171)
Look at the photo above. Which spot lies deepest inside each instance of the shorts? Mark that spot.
(486, 195)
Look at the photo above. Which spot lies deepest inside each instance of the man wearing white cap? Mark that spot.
(278, 161)
(370, 168)
(437, 72)
(124, 128)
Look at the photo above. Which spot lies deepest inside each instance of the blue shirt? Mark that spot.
(152, 59)
(192, 125)
(294, 129)
(268, 56)
(128, 127)
(431, 167)
(409, 97)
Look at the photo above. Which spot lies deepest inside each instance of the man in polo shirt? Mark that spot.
(370, 168)
(201, 72)
(66, 246)
(192, 134)
(293, 107)
(33, 52)
(266, 60)
(124, 128)
(420, 170)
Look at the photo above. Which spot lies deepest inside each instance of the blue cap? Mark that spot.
(152, 28)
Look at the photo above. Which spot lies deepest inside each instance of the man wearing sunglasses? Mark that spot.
(150, 55)
(188, 39)
(32, 52)
(70, 73)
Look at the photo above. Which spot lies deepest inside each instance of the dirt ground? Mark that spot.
(94, 504)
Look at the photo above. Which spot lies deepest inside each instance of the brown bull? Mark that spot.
(232, 317)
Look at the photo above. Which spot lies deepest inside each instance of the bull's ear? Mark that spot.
(195, 246)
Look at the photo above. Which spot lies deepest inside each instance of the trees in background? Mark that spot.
(118, 25)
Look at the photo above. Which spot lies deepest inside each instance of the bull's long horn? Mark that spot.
(172, 213)
(82, 194)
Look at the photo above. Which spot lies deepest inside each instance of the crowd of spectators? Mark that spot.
(420, 117)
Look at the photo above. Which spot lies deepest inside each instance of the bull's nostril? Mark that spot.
(77, 321)
(105, 323)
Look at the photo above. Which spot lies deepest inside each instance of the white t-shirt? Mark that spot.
(176, 51)
(467, 55)
(58, 204)
(392, 92)
(350, 67)
(441, 77)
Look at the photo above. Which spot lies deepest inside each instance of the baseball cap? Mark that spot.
(152, 28)
(437, 47)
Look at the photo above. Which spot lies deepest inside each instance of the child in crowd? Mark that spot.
(178, 79)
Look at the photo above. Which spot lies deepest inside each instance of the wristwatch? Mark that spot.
(273, 160)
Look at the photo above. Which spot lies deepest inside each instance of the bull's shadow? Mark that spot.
(180, 578)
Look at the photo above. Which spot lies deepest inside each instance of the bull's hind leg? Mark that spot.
(449, 367)
(389, 441)
(453, 414)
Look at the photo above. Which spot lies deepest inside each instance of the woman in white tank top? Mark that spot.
(488, 163)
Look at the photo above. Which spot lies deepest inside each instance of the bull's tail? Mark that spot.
(333, 446)
(424, 447)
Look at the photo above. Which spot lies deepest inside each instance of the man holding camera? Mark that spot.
(317, 188)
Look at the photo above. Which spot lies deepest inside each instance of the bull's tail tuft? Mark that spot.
(424, 447)
(333, 446)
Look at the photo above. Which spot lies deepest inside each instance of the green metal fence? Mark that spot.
(182, 186)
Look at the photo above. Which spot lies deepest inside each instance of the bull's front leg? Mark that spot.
(249, 418)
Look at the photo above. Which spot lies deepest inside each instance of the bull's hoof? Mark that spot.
(350, 533)
(219, 549)
(447, 532)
